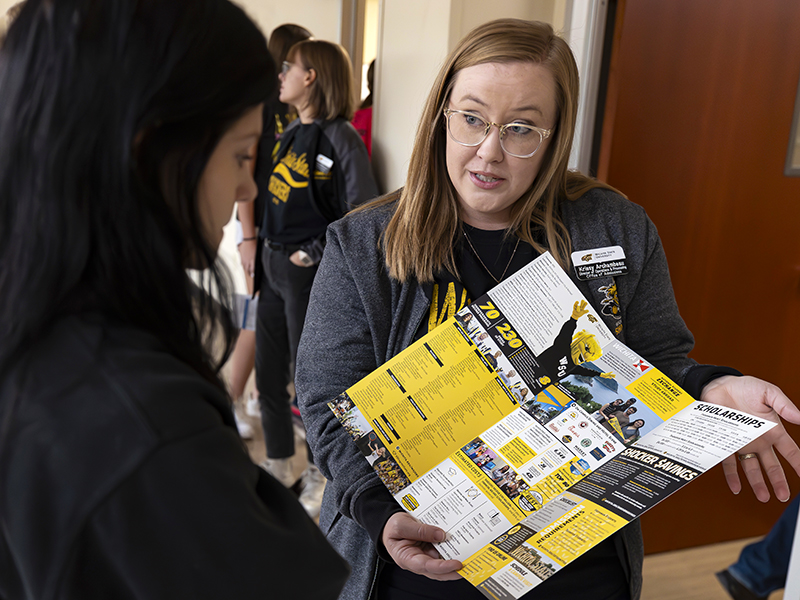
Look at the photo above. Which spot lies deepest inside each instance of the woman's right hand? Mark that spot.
(247, 252)
(409, 543)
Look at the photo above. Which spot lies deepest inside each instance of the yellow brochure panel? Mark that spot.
(428, 402)
(483, 564)
(662, 395)
(576, 532)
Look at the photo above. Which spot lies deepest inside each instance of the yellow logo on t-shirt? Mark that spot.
(291, 172)
(443, 309)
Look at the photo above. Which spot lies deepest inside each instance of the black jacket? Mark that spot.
(122, 475)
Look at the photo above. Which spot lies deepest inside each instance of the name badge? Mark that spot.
(324, 163)
(600, 262)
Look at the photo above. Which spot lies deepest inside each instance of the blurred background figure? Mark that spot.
(281, 41)
(319, 172)
(763, 566)
(362, 120)
(277, 115)
(8, 18)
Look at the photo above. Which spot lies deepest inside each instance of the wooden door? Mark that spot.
(696, 130)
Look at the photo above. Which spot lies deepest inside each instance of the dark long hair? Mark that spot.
(109, 111)
(284, 37)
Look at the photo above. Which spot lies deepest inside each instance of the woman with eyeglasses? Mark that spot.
(487, 191)
(319, 173)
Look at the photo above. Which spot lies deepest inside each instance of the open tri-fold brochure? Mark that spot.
(526, 431)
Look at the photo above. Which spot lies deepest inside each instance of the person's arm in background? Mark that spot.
(246, 210)
(249, 244)
(355, 167)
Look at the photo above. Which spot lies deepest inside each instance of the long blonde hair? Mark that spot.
(420, 237)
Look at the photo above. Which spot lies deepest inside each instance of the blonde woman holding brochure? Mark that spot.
(487, 191)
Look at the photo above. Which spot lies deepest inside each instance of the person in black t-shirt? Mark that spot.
(320, 171)
(276, 116)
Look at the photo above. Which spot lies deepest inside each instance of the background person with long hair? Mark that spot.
(121, 471)
(488, 190)
(277, 116)
(319, 173)
(280, 43)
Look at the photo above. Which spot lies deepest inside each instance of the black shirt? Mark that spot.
(122, 476)
(290, 216)
(499, 254)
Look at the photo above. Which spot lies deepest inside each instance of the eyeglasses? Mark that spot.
(285, 67)
(516, 139)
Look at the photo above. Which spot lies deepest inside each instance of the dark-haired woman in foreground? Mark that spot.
(126, 137)
(487, 191)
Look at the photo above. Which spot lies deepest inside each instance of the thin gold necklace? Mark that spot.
(475, 252)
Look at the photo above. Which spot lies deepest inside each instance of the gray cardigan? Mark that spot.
(359, 317)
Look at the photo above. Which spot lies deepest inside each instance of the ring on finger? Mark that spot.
(743, 457)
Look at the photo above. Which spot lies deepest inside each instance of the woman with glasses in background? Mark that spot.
(487, 191)
(320, 171)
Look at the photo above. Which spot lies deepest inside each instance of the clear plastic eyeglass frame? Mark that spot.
(543, 133)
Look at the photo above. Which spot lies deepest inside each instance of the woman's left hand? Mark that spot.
(760, 399)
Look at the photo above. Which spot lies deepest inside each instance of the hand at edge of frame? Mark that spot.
(409, 543)
(764, 400)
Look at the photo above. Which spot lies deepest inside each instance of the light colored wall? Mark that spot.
(5, 5)
(468, 14)
(371, 16)
(320, 17)
(412, 43)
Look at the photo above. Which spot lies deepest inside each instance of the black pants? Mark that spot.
(282, 305)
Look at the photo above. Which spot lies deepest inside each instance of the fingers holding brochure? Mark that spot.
(409, 543)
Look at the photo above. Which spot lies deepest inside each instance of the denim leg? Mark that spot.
(763, 566)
